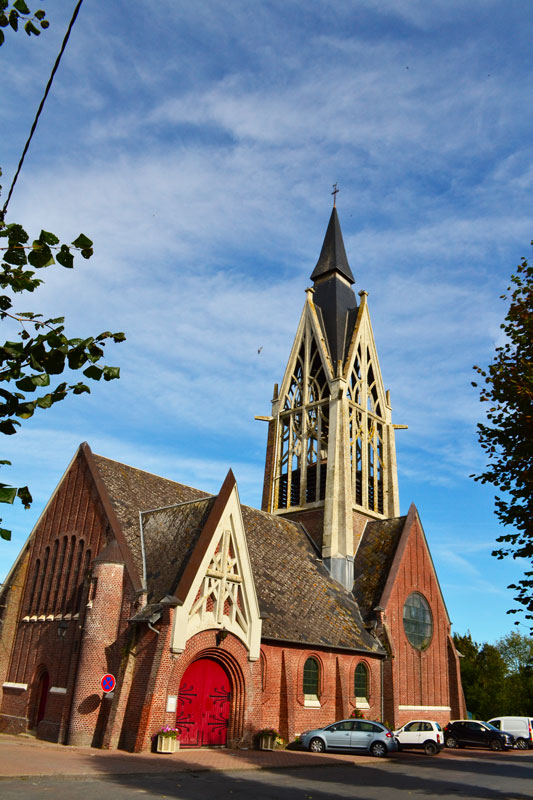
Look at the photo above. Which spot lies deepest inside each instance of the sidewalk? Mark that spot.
(24, 756)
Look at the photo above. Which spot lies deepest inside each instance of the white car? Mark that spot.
(420, 734)
(520, 727)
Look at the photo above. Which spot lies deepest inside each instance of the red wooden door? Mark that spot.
(204, 704)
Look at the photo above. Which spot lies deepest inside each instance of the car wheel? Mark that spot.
(495, 744)
(430, 748)
(451, 741)
(521, 744)
(378, 749)
(317, 746)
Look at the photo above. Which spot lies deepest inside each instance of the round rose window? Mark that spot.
(417, 621)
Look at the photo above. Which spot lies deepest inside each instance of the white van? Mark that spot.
(520, 727)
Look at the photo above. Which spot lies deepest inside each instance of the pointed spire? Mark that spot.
(333, 255)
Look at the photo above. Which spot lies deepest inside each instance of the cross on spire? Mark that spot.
(335, 193)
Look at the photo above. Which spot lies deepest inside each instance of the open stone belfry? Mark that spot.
(223, 620)
(331, 448)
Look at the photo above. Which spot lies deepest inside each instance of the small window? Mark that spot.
(311, 681)
(361, 682)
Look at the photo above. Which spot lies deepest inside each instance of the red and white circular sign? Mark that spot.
(108, 683)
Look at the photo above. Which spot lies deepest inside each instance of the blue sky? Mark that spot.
(196, 144)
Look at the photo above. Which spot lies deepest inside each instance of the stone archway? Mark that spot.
(210, 709)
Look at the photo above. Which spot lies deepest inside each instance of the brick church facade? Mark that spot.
(222, 619)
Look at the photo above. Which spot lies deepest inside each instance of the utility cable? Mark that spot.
(41, 106)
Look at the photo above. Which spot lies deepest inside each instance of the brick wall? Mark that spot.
(52, 603)
(418, 678)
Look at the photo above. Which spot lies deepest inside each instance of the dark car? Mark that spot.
(359, 735)
(472, 733)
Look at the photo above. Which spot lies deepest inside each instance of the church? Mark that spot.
(220, 619)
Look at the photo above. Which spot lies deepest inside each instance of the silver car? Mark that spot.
(359, 735)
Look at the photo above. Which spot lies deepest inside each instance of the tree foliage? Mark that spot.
(17, 13)
(41, 349)
(497, 679)
(507, 438)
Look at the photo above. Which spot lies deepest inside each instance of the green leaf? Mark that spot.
(14, 19)
(45, 402)
(21, 6)
(7, 426)
(76, 358)
(24, 496)
(7, 494)
(65, 257)
(30, 28)
(54, 362)
(82, 242)
(40, 380)
(3, 461)
(16, 256)
(80, 388)
(4, 534)
(40, 14)
(110, 373)
(4, 22)
(40, 256)
(48, 238)
(26, 384)
(87, 252)
(44, 23)
(93, 372)
(26, 410)
(2, 40)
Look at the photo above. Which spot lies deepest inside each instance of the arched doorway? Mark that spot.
(40, 697)
(204, 704)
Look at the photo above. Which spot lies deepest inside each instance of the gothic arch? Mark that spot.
(238, 687)
(38, 696)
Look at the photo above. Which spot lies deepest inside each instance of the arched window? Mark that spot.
(263, 672)
(311, 681)
(361, 682)
(417, 621)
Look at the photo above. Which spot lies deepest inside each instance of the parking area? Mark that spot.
(22, 756)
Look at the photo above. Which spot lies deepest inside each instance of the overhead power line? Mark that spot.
(39, 110)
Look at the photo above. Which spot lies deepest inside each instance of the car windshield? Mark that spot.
(488, 725)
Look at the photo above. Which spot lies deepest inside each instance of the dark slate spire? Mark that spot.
(333, 255)
(334, 297)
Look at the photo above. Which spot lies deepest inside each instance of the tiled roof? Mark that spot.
(170, 535)
(373, 561)
(298, 599)
(132, 490)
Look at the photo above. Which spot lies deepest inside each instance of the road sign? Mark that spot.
(108, 683)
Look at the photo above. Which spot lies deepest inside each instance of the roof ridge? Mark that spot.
(153, 474)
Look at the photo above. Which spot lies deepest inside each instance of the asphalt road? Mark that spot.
(492, 776)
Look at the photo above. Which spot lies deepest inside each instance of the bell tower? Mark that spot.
(331, 459)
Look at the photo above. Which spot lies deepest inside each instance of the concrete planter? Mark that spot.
(267, 742)
(167, 744)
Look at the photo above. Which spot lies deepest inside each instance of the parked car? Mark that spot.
(520, 727)
(463, 732)
(421, 734)
(359, 735)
